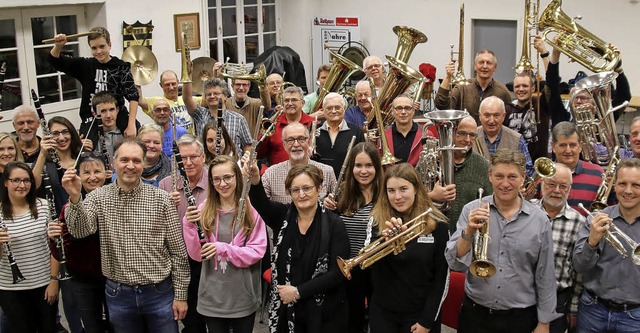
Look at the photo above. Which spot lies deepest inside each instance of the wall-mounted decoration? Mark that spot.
(189, 23)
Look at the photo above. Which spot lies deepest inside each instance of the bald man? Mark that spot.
(162, 114)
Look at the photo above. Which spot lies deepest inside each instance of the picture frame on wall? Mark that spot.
(189, 23)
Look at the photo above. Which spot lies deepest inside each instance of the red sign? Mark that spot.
(347, 21)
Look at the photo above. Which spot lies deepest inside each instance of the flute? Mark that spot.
(340, 187)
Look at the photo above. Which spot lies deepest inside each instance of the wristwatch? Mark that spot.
(53, 277)
(466, 237)
(544, 55)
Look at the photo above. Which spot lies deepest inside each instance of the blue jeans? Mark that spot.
(70, 306)
(134, 309)
(595, 317)
(88, 294)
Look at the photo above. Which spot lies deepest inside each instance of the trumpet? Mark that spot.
(268, 125)
(610, 236)
(185, 57)
(379, 249)
(481, 267)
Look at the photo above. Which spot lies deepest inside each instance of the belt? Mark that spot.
(140, 287)
(611, 305)
(494, 312)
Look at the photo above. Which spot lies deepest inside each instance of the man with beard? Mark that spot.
(169, 85)
(162, 114)
(565, 223)
(609, 302)
(586, 176)
(358, 114)
(468, 96)
(492, 135)
(296, 141)
(26, 122)
(273, 146)
(470, 173)
(520, 295)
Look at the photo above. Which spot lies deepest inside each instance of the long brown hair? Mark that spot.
(352, 199)
(383, 211)
(212, 204)
(76, 142)
(229, 146)
(7, 210)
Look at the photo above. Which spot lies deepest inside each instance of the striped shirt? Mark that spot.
(140, 235)
(586, 180)
(356, 226)
(30, 247)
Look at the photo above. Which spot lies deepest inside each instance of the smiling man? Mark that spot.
(374, 69)
(521, 296)
(468, 97)
(141, 244)
(610, 301)
(162, 114)
(404, 136)
(586, 176)
(25, 122)
(565, 223)
(492, 135)
(358, 114)
(335, 134)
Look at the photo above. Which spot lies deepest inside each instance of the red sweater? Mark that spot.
(273, 147)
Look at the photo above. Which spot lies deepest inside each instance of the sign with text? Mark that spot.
(332, 33)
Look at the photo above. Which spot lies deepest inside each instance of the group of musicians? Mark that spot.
(147, 226)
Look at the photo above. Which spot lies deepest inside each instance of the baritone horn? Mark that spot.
(545, 168)
(238, 71)
(565, 35)
(481, 267)
(381, 248)
(387, 156)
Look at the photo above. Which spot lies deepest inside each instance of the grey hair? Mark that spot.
(215, 82)
(294, 90)
(291, 126)
(491, 100)
(370, 58)
(334, 95)
(26, 109)
(189, 139)
(563, 128)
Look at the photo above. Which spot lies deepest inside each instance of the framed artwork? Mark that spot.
(189, 23)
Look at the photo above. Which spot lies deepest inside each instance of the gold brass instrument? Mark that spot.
(185, 56)
(611, 236)
(446, 122)
(174, 162)
(590, 105)
(74, 36)
(341, 69)
(314, 133)
(387, 156)
(545, 168)
(268, 125)
(408, 38)
(565, 35)
(238, 71)
(428, 166)
(458, 77)
(144, 65)
(608, 179)
(379, 249)
(201, 72)
(398, 80)
(481, 267)
(524, 64)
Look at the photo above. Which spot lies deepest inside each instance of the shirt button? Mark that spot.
(502, 252)
(498, 287)
(500, 269)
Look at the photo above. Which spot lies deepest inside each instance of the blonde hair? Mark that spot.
(19, 157)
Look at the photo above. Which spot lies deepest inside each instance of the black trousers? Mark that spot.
(563, 305)
(194, 322)
(226, 325)
(475, 318)
(28, 311)
(358, 295)
(381, 321)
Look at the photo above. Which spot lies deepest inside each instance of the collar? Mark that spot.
(394, 130)
(135, 191)
(578, 169)
(486, 138)
(342, 127)
(566, 212)
(238, 106)
(525, 208)
(477, 83)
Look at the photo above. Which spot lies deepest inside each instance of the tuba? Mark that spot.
(458, 77)
(379, 249)
(340, 71)
(387, 156)
(481, 267)
(408, 38)
(446, 123)
(565, 35)
(590, 105)
(545, 168)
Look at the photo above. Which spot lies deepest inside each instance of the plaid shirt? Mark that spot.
(234, 122)
(564, 231)
(522, 147)
(140, 236)
(273, 181)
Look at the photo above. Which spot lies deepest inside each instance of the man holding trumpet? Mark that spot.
(519, 292)
(609, 302)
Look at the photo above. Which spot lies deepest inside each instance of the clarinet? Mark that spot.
(3, 71)
(191, 200)
(45, 129)
(219, 130)
(103, 145)
(63, 274)
(340, 186)
(15, 271)
(174, 162)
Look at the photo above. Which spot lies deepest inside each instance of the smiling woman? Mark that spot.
(9, 150)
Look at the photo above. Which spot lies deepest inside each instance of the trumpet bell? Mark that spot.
(408, 38)
(144, 65)
(482, 269)
(545, 167)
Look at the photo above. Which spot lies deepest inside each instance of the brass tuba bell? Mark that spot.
(408, 38)
(565, 35)
(545, 168)
(341, 70)
(239, 72)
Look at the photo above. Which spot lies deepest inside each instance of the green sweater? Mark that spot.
(469, 176)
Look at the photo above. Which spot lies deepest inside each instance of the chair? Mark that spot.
(453, 302)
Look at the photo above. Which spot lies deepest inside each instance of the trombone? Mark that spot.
(379, 249)
(524, 64)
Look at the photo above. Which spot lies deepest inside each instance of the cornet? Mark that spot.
(481, 267)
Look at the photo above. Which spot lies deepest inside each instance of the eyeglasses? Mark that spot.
(226, 179)
(17, 181)
(300, 140)
(191, 158)
(333, 108)
(552, 185)
(405, 108)
(462, 134)
(241, 84)
(290, 100)
(214, 93)
(274, 83)
(370, 67)
(63, 133)
(162, 110)
(305, 189)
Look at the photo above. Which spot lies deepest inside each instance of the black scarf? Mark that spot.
(152, 170)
